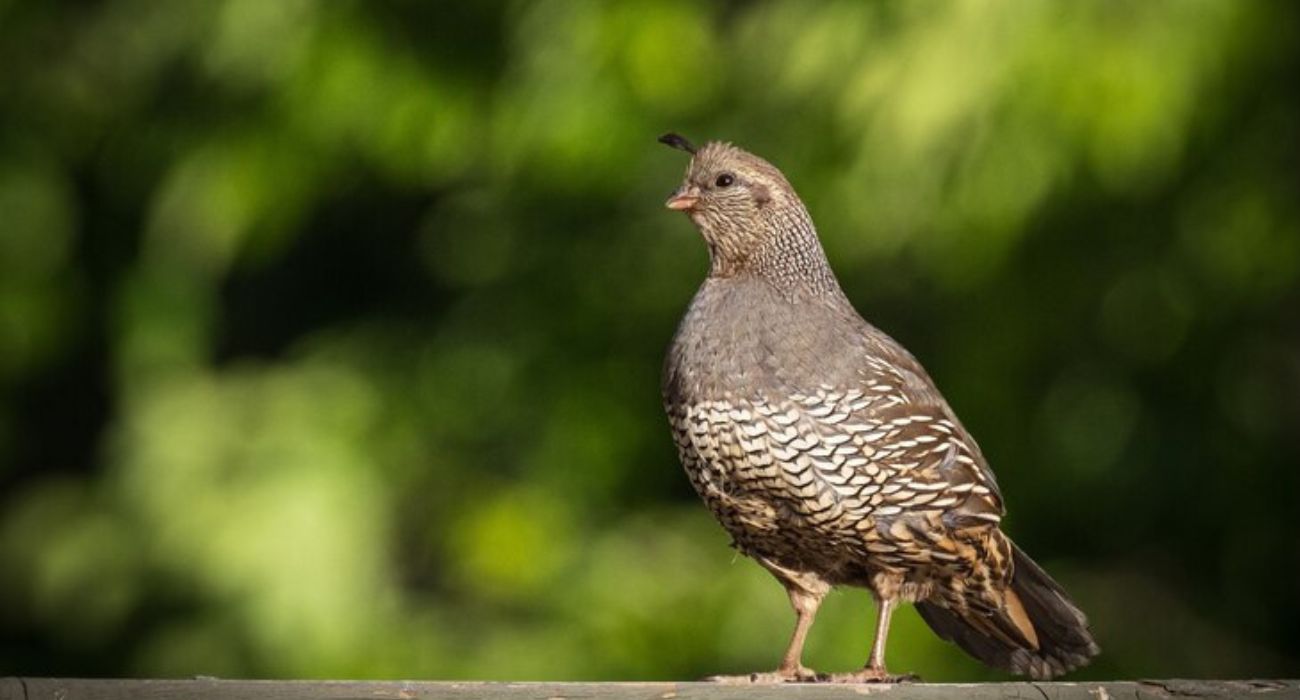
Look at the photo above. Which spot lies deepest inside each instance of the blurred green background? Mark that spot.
(330, 332)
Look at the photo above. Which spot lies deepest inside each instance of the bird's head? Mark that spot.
(740, 202)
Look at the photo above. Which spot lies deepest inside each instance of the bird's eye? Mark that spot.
(725, 180)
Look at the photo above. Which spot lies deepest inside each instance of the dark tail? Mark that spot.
(1063, 641)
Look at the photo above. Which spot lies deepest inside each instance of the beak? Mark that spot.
(684, 199)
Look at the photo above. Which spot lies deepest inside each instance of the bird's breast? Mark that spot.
(741, 338)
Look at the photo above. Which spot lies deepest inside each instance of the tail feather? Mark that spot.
(1058, 642)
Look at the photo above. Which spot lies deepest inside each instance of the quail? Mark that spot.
(825, 450)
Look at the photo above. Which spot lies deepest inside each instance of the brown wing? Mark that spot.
(922, 443)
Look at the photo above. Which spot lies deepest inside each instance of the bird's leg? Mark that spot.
(875, 672)
(876, 662)
(805, 599)
(805, 606)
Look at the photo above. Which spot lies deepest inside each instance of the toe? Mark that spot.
(796, 674)
(873, 675)
(746, 679)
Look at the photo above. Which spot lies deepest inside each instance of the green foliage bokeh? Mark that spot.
(330, 331)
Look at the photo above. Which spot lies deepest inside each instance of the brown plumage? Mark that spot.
(826, 451)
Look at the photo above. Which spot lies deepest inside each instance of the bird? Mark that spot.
(826, 451)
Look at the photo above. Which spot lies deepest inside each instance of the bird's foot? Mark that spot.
(799, 674)
(873, 675)
(794, 674)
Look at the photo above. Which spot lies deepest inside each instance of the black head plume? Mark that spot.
(677, 141)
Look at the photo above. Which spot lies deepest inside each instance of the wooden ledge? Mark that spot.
(14, 688)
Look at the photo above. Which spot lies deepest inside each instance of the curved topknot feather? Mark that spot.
(677, 141)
